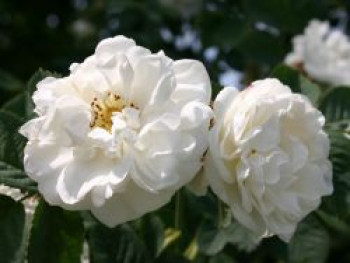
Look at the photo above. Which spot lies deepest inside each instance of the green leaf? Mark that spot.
(16, 105)
(288, 76)
(221, 258)
(310, 242)
(212, 239)
(334, 222)
(11, 153)
(9, 82)
(11, 142)
(152, 232)
(297, 82)
(338, 203)
(12, 221)
(310, 89)
(335, 105)
(22, 104)
(339, 151)
(171, 257)
(115, 245)
(17, 178)
(56, 236)
(282, 13)
(242, 237)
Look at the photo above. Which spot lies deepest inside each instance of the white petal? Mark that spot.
(148, 72)
(130, 204)
(192, 80)
(43, 163)
(81, 176)
(195, 114)
(110, 47)
(223, 101)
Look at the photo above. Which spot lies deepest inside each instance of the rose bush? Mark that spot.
(121, 133)
(113, 134)
(268, 157)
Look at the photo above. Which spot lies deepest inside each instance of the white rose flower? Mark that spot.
(120, 134)
(268, 157)
(323, 53)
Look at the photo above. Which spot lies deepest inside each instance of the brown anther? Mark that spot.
(103, 110)
(203, 155)
(212, 122)
(211, 104)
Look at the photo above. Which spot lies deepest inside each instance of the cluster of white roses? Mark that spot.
(323, 53)
(128, 128)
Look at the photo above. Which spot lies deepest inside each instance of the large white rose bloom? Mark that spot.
(268, 157)
(323, 53)
(120, 134)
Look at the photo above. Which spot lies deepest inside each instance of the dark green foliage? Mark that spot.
(335, 105)
(310, 242)
(56, 236)
(297, 82)
(11, 153)
(119, 245)
(11, 230)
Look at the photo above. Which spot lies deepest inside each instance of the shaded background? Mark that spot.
(246, 35)
(238, 41)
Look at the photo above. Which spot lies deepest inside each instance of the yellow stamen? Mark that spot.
(103, 109)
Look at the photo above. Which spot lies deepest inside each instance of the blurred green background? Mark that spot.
(246, 35)
(238, 41)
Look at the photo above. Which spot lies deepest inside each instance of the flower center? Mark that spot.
(103, 109)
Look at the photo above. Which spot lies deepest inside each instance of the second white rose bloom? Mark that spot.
(121, 133)
(323, 53)
(268, 157)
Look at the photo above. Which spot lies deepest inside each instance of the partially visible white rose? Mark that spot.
(323, 53)
(120, 134)
(268, 157)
